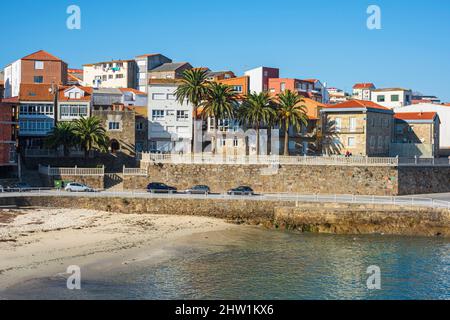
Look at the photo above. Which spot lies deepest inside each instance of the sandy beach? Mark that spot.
(37, 243)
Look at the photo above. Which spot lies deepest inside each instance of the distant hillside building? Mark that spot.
(363, 91)
(392, 97)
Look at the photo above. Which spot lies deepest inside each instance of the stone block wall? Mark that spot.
(288, 178)
(423, 180)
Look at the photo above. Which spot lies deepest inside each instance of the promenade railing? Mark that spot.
(298, 199)
(75, 171)
(135, 172)
(290, 160)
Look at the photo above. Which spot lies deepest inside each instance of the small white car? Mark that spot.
(77, 187)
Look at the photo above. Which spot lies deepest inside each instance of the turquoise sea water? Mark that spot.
(252, 263)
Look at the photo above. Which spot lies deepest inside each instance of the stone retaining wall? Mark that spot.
(312, 217)
(289, 178)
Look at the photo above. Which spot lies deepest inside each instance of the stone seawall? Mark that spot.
(423, 180)
(311, 217)
(356, 180)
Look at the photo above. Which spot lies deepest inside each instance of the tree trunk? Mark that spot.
(257, 140)
(286, 139)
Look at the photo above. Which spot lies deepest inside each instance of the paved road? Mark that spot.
(436, 200)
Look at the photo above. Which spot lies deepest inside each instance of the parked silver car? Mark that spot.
(78, 187)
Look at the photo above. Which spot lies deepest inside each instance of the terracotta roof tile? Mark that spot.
(415, 115)
(35, 92)
(364, 85)
(41, 55)
(352, 104)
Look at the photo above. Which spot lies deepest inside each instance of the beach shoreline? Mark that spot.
(41, 242)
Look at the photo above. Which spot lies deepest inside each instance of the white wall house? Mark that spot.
(444, 115)
(363, 91)
(259, 78)
(12, 79)
(74, 103)
(392, 97)
(170, 123)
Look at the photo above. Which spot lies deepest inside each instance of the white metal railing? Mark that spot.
(75, 171)
(290, 160)
(398, 201)
(135, 171)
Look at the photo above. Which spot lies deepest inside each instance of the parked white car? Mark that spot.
(78, 187)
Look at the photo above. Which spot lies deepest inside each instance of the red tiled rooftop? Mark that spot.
(415, 115)
(41, 55)
(363, 85)
(132, 90)
(351, 104)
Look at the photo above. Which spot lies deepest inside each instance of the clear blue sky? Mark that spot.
(325, 39)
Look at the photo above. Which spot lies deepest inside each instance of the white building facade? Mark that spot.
(392, 97)
(111, 74)
(170, 123)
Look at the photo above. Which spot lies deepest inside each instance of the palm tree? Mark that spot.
(193, 88)
(62, 135)
(91, 134)
(290, 114)
(256, 110)
(326, 138)
(220, 102)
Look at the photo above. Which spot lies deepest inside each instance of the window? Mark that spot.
(171, 97)
(338, 124)
(380, 142)
(352, 124)
(237, 89)
(114, 126)
(283, 86)
(381, 98)
(395, 98)
(351, 142)
(182, 115)
(105, 77)
(111, 76)
(119, 76)
(39, 65)
(372, 141)
(140, 126)
(38, 79)
(36, 110)
(170, 113)
(158, 96)
(235, 142)
(72, 110)
(157, 115)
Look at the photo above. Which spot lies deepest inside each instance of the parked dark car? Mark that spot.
(19, 187)
(241, 191)
(157, 187)
(199, 190)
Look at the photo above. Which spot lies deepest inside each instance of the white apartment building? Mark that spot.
(110, 74)
(259, 78)
(133, 97)
(363, 91)
(146, 63)
(392, 97)
(170, 123)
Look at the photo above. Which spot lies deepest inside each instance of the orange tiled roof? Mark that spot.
(87, 91)
(35, 92)
(41, 55)
(132, 90)
(357, 104)
(415, 115)
(75, 70)
(363, 85)
(312, 108)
